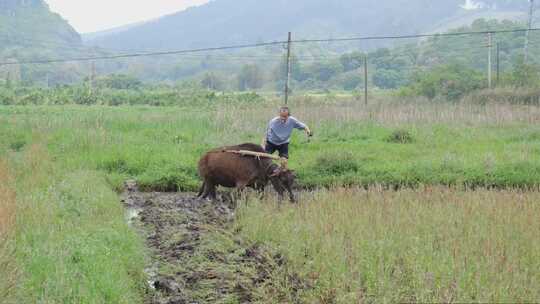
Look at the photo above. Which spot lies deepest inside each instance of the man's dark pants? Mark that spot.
(282, 149)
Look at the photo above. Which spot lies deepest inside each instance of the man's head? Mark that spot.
(284, 113)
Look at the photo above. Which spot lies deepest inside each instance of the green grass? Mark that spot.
(8, 266)
(74, 246)
(470, 146)
(431, 245)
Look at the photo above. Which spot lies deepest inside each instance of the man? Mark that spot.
(278, 134)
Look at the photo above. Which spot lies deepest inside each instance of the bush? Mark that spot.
(6, 96)
(17, 144)
(450, 81)
(336, 163)
(168, 180)
(400, 137)
(154, 96)
(523, 75)
(119, 81)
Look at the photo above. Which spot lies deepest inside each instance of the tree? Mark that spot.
(297, 70)
(349, 81)
(388, 79)
(451, 81)
(212, 81)
(250, 78)
(352, 61)
(119, 82)
(324, 71)
(525, 75)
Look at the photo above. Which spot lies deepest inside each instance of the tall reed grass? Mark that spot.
(429, 245)
(8, 265)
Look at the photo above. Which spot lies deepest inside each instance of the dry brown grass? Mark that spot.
(509, 95)
(8, 269)
(391, 112)
(428, 245)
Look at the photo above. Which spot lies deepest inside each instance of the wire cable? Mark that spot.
(244, 46)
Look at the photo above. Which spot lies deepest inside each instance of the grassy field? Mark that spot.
(8, 267)
(63, 165)
(70, 243)
(402, 144)
(429, 245)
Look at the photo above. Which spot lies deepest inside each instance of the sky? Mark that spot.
(96, 15)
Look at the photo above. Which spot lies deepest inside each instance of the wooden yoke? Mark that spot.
(255, 154)
(282, 161)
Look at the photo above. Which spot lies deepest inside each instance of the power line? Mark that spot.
(21, 41)
(244, 46)
(144, 54)
(94, 48)
(417, 36)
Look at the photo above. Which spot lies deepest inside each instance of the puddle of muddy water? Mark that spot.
(151, 273)
(131, 214)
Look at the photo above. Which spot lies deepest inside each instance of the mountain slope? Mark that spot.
(30, 31)
(88, 37)
(31, 23)
(241, 21)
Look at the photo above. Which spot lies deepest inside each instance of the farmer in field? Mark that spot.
(278, 134)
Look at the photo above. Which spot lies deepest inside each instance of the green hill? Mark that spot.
(28, 23)
(30, 31)
(222, 22)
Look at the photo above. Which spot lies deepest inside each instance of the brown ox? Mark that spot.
(221, 168)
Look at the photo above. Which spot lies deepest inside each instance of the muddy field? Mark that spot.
(196, 256)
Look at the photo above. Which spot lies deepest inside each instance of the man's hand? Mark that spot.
(308, 132)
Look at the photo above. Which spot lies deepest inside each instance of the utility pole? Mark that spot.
(529, 26)
(498, 63)
(288, 83)
(366, 79)
(490, 44)
(92, 76)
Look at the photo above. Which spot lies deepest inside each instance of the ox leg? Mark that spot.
(209, 190)
(212, 191)
(260, 188)
(279, 189)
(240, 190)
(202, 191)
(291, 195)
(262, 193)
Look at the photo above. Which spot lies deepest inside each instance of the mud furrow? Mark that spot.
(198, 258)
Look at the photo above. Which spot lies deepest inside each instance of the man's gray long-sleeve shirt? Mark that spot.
(279, 132)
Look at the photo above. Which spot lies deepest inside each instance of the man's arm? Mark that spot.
(302, 126)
